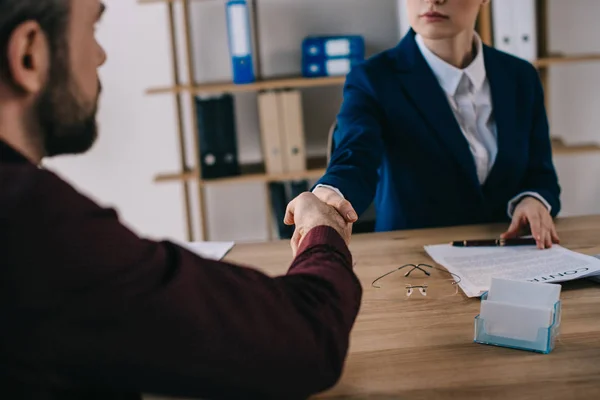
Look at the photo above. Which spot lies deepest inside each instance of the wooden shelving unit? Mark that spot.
(315, 167)
(545, 59)
(252, 173)
(543, 63)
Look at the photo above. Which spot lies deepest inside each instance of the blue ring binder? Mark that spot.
(240, 41)
(332, 55)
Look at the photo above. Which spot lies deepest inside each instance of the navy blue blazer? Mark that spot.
(398, 143)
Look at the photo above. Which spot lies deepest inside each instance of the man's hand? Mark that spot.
(533, 213)
(307, 212)
(343, 206)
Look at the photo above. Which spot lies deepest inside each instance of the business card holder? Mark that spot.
(544, 342)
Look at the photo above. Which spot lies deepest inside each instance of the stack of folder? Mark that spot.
(217, 137)
(284, 148)
(331, 55)
(282, 131)
(514, 25)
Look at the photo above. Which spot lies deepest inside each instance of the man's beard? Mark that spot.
(67, 125)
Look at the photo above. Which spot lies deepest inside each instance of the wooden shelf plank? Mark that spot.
(559, 148)
(268, 84)
(252, 173)
(301, 82)
(549, 61)
(255, 172)
(160, 1)
(261, 177)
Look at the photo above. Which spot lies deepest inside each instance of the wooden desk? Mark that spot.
(424, 349)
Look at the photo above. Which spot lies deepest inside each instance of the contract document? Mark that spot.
(476, 266)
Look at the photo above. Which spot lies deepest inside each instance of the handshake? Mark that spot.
(322, 207)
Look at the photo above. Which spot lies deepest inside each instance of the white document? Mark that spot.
(596, 278)
(211, 250)
(476, 266)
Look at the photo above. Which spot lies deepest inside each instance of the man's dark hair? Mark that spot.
(63, 121)
(52, 15)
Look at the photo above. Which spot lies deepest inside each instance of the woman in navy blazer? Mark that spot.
(442, 130)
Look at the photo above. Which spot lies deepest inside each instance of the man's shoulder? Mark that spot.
(26, 188)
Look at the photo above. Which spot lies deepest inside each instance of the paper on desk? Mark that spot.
(595, 278)
(211, 250)
(477, 265)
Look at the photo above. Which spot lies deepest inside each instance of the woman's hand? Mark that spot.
(333, 199)
(306, 212)
(532, 213)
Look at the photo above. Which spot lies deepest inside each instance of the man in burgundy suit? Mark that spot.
(88, 310)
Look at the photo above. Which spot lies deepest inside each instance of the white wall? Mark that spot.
(138, 137)
(137, 132)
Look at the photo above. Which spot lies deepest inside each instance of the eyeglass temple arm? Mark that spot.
(383, 276)
(398, 269)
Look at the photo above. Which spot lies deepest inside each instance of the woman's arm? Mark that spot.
(359, 144)
(541, 177)
(540, 183)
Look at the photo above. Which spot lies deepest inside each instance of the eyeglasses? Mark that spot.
(428, 280)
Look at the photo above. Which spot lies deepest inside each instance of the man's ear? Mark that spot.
(28, 57)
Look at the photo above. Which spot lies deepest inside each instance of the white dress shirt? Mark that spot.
(469, 96)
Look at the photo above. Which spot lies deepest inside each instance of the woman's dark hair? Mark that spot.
(52, 15)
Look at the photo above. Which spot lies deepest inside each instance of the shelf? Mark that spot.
(564, 59)
(316, 169)
(159, 1)
(252, 173)
(268, 84)
(559, 148)
(301, 82)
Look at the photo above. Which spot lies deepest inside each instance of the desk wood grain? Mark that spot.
(423, 349)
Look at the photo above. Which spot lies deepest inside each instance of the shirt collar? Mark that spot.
(448, 75)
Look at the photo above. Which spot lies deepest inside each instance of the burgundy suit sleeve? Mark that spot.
(102, 307)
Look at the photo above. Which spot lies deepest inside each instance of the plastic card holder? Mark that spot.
(507, 329)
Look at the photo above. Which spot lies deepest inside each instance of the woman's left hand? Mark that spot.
(533, 213)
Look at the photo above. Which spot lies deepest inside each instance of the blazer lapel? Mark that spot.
(423, 90)
(504, 103)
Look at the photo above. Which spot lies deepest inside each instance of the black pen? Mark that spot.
(494, 242)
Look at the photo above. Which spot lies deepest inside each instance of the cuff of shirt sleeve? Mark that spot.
(325, 235)
(332, 188)
(512, 204)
